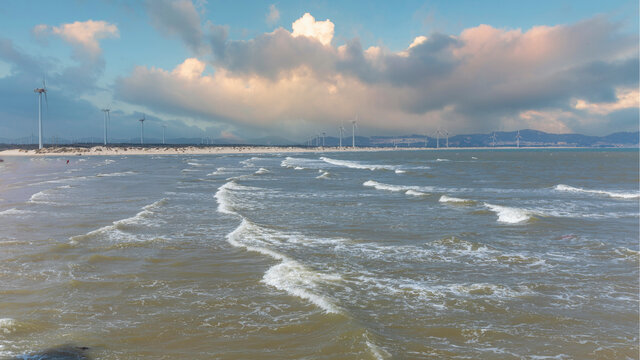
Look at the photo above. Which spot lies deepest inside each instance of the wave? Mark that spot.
(195, 164)
(44, 196)
(398, 188)
(511, 215)
(449, 199)
(323, 175)
(125, 173)
(7, 325)
(622, 195)
(357, 165)
(289, 275)
(441, 160)
(415, 193)
(117, 231)
(14, 211)
(220, 171)
(261, 171)
(301, 163)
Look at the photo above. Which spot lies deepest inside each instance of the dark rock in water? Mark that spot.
(62, 352)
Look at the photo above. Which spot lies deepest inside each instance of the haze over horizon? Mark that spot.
(293, 69)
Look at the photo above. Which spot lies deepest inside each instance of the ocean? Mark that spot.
(456, 254)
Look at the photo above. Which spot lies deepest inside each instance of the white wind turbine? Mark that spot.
(164, 127)
(142, 129)
(439, 133)
(353, 132)
(518, 137)
(40, 91)
(341, 134)
(494, 139)
(106, 116)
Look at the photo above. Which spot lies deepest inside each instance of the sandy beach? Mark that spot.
(193, 150)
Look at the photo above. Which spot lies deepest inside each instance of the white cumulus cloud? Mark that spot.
(308, 26)
(83, 35)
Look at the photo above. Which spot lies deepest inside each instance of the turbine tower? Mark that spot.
(341, 134)
(494, 139)
(323, 134)
(353, 132)
(163, 129)
(439, 133)
(518, 137)
(40, 91)
(142, 129)
(106, 116)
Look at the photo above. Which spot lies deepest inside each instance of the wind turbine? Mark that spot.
(341, 134)
(518, 137)
(163, 129)
(353, 133)
(323, 134)
(446, 133)
(106, 115)
(40, 91)
(438, 133)
(142, 129)
(494, 139)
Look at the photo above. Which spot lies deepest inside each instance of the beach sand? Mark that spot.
(192, 150)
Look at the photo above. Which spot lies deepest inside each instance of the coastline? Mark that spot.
(248, 149)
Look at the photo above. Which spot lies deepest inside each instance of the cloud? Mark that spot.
(178, 18)
(82, 35)
(626, 98)
(319, 30)
(555, 78)
(273, 15)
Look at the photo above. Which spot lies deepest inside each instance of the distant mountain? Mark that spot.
(528, 138)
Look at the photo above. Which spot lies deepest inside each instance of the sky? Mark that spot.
(239, 70)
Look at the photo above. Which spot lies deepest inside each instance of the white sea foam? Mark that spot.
(415, 193)
(441, 160)
(40, 197)
(301, 163)
(14, 211)
(125, 173)
(109, 161)
(220, 171)
(357, 165)
(399, 171)
(7, 325)
(449, 199)
(116, 231)
(511, 215)
(289, 275)
(223, 196)
(323, 175)
(195, 164)
(396, 188)
(621, 195)
(262, 171)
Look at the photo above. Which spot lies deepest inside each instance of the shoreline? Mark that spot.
(197, 150)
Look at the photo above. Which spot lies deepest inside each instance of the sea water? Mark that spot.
(340, 255)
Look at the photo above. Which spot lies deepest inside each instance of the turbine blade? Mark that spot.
(46, 100)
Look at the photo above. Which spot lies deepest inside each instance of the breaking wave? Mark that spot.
(621, 195)
(511, 215)
(450, 199)
(289, 275)
(357, 165)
